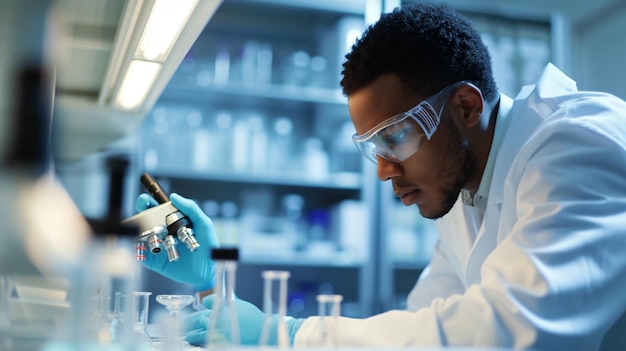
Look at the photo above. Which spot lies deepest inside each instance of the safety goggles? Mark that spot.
(400, 136)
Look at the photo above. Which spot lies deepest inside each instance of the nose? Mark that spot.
(387, 169)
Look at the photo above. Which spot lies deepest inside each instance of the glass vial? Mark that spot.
(275, 308)
(329, 309)
(223, 327)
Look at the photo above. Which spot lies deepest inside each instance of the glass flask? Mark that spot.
(223, 327)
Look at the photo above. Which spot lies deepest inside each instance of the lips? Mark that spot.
(408, 197)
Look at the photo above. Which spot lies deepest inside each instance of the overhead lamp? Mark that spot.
(162, 28)
(166, 21)
(136, 83)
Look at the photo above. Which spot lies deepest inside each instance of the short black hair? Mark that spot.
(429, 46)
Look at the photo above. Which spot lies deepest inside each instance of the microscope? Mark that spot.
(162, 225)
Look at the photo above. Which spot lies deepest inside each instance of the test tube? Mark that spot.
(275, 308)
(329, 309)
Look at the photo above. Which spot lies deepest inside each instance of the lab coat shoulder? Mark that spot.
(560, 202)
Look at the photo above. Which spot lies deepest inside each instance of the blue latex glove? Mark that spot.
(250, 318)
(194, 268)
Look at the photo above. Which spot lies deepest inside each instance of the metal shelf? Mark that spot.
(185, 92)
(302, 259)
(345, 181)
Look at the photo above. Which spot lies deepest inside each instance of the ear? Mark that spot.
(470, 100)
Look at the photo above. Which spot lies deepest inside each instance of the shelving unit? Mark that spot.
(187, 143)
(254, 128)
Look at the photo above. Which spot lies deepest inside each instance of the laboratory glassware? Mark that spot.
(329, 309)
(130, 315)
(223, 327)
(115, 318)
(108, 265)
(6, 288)
(275, 308)
(174, 303)
(134, 308)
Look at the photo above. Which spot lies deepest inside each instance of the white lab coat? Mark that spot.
(546, 267)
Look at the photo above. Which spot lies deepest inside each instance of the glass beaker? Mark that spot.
(275, 308)
(130, 316)
(137, 314)
(174, 303)
(329, 309)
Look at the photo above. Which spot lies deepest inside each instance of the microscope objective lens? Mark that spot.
(140, 253)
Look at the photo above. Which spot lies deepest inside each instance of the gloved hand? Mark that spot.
(250, 319)
(194, 268)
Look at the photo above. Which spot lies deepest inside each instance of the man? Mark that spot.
(529, 194)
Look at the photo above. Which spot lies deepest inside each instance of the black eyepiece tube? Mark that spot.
(154, 188)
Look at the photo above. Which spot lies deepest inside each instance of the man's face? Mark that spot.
(432, 177)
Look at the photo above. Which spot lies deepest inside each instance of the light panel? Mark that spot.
(137, 82)
(166, 21)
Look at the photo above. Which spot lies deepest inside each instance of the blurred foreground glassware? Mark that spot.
(141, 306)
(6, 288)
(129, 318)
(275, 308)
(329, 309)
(223, 328)
(115, 317)
(174, 303)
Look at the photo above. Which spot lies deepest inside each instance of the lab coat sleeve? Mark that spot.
(441, 276)
(438, 279)
(555, 280)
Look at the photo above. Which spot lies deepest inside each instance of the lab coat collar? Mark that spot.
(531, 106)
(554, 83)
(480, 198)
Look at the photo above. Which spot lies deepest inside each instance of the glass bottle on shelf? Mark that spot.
(201, 139)
(293, 205)
(258, 143)
(319, 72)
(264, 63)
(316, 159)
(229, 224)
(223, 141)
(221, 76)
(295, 68)
(281, 143)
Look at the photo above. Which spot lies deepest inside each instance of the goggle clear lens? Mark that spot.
(396, 142)
(400, 136)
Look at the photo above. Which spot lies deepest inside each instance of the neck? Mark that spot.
(480, 141)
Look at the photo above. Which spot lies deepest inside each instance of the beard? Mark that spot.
(455, 172)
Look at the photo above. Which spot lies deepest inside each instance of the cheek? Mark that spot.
(432, 155)
(425, 167)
